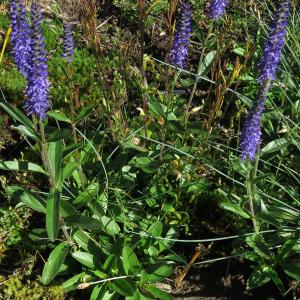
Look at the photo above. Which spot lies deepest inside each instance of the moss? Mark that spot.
(18, 288)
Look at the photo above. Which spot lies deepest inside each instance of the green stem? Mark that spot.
(255, 170)
(47, 166)
(142, 69)
(74, 133)
(250, 195)
(168, 103)
(45, 154)
(198, 72)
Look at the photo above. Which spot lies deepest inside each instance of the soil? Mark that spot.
(223, 281)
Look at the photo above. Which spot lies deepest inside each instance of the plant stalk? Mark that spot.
(198, 71)
(250, 195)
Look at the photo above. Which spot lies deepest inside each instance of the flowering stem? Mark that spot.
(45, 154)
(255, 170)
(142, 70)
(73, 125)
(47, 166)
(170, 93)
(198, 72)
(250, 194)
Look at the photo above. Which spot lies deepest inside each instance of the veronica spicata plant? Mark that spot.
(180, 49)
(217, 8)
(37, 89)
(68, 43)
(268, 64)
(20, 36)
(80, 222)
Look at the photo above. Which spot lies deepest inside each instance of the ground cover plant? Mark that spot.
(144, 142)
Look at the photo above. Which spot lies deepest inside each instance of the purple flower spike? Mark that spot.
(68, 43)
(251, 133)
(217, 8)
(179, 51)
(38, 85)
(20, 36)
(272, 52)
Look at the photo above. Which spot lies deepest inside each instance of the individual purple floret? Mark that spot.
(179, 51)
(216, 8)
(38, 85)
(272, 51)
(250, 137)
(20, 36)
(68, 43)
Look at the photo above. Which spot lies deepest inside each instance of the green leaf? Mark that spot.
(54, 262)
(32, 201)
(287, 249)
(276, 280)
(83, 222)
(207, 62)
(268, 218)
(256, 242)
(156, 107)
(59, 116)
(166, 244)
(85, 111)
(86, 259)
(26, 131)
(235, 209)
(70, 167)
(59, 134)
(123, 287)
(284, 214)
(68, 150)
(52, 214)
(17, 115)
(275, 146)
(159, 272)
(88, 194)
(258, 277)
(86, 242)
(138, 296)
(110, 264)
(157, 293)
(22, 166)
(292, 269)
(55, 151)
(73, 282)
(155, 229)
(111, 296)
(98, 292)
(110, 226)
(67, 209)
(130, 261)
(38, 235)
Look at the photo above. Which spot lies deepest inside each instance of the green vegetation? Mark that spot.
(128, 179)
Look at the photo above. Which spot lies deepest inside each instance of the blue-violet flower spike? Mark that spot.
(272, 50)
(20, 36)
(216, 8)
(38, 85)
(68, 43)
(251, 133)
(179, 51)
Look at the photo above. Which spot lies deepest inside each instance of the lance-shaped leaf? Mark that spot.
(52, 214)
